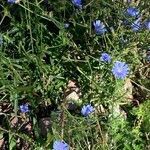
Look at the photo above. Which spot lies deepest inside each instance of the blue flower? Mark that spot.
(132, 11)
(60, 145)
(11, 1)
(99, 27)
(147, 24)
(105, 57)
(120, 70)
(136, 25)
(24, 108)
(77, 3)
(87, 109)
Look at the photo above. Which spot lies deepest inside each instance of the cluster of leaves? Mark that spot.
(43, 45)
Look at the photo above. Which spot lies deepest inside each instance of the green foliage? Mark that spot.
(38, 57)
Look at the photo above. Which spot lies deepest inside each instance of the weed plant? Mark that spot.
(102, 46)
